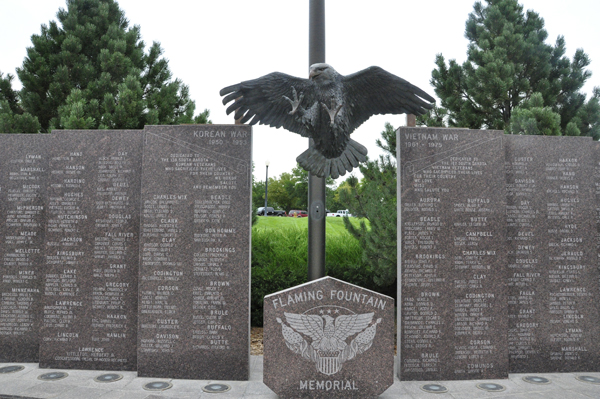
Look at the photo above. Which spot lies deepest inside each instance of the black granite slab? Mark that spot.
(194, 302)
(328, 339)
(453, 319)
(91, 258)
(23, 173)
(553, 274)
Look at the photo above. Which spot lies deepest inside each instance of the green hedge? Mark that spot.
(279, 258)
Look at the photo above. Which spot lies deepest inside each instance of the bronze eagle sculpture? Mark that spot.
(327, 107)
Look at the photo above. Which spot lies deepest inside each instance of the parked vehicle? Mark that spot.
(297, 214)
(270, 212)
(340, 213)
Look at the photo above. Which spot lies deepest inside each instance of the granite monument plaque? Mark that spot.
(91, 255)
(596, 160)
(328, 339)
(552, 259)
(194, 306)
(453, 322)
(23, 167)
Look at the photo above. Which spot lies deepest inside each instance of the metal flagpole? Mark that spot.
(316, 185)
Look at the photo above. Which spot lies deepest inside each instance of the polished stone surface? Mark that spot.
(89, 314)
(453, 320)
(23, 176)
(195, 252)
(554, 311)
(328, 339)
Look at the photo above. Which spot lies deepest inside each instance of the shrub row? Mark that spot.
(279, 261)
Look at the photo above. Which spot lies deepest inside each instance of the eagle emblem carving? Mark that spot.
(327, 108)
(328, 348)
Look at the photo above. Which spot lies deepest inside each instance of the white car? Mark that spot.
(340, 213)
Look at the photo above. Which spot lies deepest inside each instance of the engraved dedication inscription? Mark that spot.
(453, 319)
(195, 252)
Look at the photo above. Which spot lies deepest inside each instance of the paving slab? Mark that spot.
(80, 384)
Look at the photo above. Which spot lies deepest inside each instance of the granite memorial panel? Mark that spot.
(194, 309)
(91, 255)
(328, 339)
(23, 172)
(453, 321)
(552, 260)
(596, 160)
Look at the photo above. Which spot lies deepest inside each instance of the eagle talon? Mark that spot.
(333, 111)
(296, 102)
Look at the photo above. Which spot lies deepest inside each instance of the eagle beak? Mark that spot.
(313, 73)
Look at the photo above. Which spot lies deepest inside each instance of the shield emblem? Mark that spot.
(329, 365)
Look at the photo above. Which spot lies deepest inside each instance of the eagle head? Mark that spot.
(322, 73)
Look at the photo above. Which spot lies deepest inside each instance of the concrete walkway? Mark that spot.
(80, 384)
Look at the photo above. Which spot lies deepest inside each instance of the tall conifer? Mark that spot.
(90, 69)
(12, 117)
(374, 199)
(508, 60)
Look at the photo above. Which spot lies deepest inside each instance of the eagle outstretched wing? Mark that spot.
(261, 100)
(311, 325)
(375, 91)
(348, 325)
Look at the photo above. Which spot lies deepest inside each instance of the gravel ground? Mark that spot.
(256, 341)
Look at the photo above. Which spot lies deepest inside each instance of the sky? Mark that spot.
(214, 44)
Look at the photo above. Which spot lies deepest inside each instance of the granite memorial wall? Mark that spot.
(453, 253)
(72, 221)
(549, 257)
(596, 176)
(552, 256)
(475, 302)
(23, 167)
(89, 315)
(194, 287)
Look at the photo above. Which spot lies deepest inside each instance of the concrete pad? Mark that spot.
(119, 394)
(48, 390)
(187, 385)
(82, 392)
(257, 388)
(80, 384)
(16, 387)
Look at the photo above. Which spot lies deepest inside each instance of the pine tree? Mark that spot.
(508, 61)
(90, 69)
(12, 117)
(588, 117)
(531, 117)
(374, 199)
(8, 94)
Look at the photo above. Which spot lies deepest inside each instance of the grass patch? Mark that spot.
(280, 257)
(333, 226)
